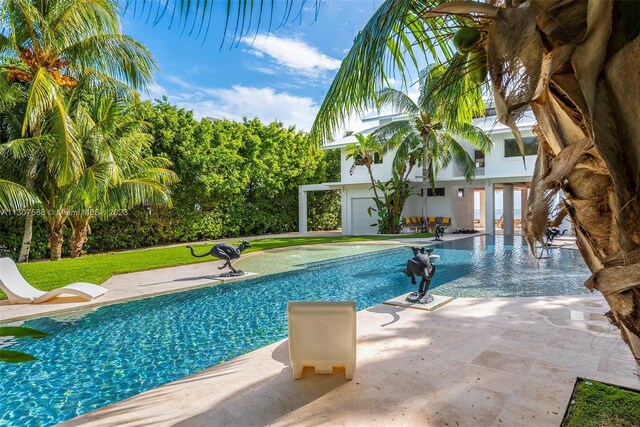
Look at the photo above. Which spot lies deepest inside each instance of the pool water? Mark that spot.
(102, 355)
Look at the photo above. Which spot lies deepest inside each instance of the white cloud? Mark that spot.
(293, 54)
(241, 101)
(154, 91)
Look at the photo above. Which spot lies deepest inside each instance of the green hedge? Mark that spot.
(236, 179)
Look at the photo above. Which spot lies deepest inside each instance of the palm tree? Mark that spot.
(364, 152)
(118, 176)
(426, 130)
(46, 46)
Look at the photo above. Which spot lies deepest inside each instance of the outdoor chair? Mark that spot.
(19, 291)
(322, 335)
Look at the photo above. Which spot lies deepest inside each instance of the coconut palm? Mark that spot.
(46, 46)
(117, 175)
(427, 130)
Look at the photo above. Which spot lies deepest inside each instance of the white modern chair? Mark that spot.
(322, 335)
(19, 291)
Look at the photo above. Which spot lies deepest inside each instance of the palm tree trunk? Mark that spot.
(80, 230)
(425, 178)
(373, 182)
(28, 220)
(56, 236)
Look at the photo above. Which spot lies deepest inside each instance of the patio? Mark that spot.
(481, 362)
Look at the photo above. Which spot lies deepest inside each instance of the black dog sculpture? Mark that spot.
(553, 232)
(226, 252)
(439, 232)
(420, 265)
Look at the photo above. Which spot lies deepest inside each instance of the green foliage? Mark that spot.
(597, 404)
(241, 178)
(11, 229)
(12, 356)
(236, 179)
(395, 193)
(21, 332)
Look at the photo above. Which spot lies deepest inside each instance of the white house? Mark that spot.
(501, 175)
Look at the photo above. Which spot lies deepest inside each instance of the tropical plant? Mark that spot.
(117, 175)
(565, 61)
(428, 132)
(364, 152)
(46, 46)
(395, 193)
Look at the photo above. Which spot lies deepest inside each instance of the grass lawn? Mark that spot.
(98, 268)
(600, 405)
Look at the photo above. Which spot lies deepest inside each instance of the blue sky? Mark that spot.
(281, 75)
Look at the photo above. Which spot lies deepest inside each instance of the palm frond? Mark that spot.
(64, 153)
(115, 55)
(398, 100)
(387, 131)
(70, 21)
(14, 196)
(458, 99)
(372, 59)
(472, 134)
(240, 17)
(21, 148)
(460, 156)
(139, 192)
(41, 96)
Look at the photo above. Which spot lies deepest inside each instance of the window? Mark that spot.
(377, 159)
(460, 192)
(479, 159)
(431, 192)
(511, 148)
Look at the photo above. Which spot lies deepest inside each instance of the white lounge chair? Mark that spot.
(20, 291)
(322, 335)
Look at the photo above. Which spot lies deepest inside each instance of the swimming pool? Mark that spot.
(100, 356)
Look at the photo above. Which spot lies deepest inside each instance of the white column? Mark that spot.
(344, 218)
(481, 207)
(489, 208)
(524, 195)
(507, 207)
(302, 211)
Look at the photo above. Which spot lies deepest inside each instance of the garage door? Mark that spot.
(360, 219)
